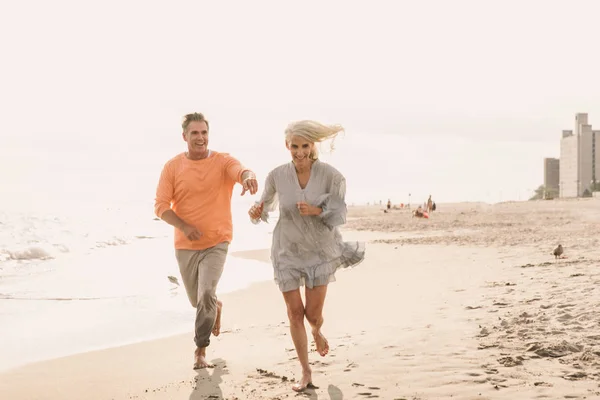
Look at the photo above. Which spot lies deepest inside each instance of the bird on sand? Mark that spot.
(558, 251)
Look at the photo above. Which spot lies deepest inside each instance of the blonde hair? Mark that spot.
(194, 117)
(313, 132)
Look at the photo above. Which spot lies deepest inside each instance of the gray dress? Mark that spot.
(307, 250)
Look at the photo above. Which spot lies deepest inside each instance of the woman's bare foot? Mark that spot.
(200, 359)
(217, 328)
(305, 382)
(321, 342)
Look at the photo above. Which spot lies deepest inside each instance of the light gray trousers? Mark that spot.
(201, 271)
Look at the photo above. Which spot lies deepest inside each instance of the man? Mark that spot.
(194, 195)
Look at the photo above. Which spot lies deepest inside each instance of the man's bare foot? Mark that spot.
(321, 342)
(200, 359)
(305, 382)
(217, 328)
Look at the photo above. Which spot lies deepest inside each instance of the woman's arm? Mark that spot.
(269, 199)
(333, 204)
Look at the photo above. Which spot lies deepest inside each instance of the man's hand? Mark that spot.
(249, 183)
(306, 209)
(191, 232)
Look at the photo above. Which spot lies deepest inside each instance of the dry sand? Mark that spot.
(469, 304)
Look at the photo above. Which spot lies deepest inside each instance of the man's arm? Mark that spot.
(164, 191)
(241, 175)
(172, 219)
(247, 174)
(162, 205)
(191, 232)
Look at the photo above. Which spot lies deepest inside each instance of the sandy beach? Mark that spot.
(469, 304)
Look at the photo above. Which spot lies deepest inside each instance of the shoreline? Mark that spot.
(235, 258)
(255, 334)
(254, 351)
(485, 313)
(25, 312)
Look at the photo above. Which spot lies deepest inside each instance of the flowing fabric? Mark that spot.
(308, 250)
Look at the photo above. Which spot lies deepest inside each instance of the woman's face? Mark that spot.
(300, 149)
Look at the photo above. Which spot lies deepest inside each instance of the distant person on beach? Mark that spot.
(307, 246)
(418, 212)
(429, 204)
(389, 204)
(194, 195)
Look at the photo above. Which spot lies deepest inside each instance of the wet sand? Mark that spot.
(469, 304)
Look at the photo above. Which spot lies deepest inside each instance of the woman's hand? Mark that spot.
(306, 209)
(256, 211)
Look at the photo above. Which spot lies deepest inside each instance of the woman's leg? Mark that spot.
(315, 299)
(295, 310)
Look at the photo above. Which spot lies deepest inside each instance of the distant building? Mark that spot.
(579, 159)
(551, 177)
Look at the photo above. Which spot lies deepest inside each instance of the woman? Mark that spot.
(307, 245)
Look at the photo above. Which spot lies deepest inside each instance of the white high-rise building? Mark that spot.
(579, 159)
(551, 178)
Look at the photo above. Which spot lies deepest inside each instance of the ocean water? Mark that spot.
(75, 282)
(84, 263)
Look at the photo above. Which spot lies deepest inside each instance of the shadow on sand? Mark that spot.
(334, 393)
(208, 385)
(208, 381)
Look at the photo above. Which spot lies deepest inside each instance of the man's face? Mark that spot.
(196, 136)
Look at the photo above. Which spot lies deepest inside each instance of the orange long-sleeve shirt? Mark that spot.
(199, 192)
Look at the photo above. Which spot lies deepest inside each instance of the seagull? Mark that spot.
(558, 251)
(173, 279)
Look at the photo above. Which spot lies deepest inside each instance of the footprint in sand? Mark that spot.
(483, 346)
(574, 376)
(565, 305)
(350, 366)
(484, 332)
(510, 361)
(405, 357)
(587, 356)
(370, 395)
(565, 317)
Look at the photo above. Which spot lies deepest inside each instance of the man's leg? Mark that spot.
(210, 269)
(188, 267)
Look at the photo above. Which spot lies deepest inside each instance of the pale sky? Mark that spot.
(92, 93)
